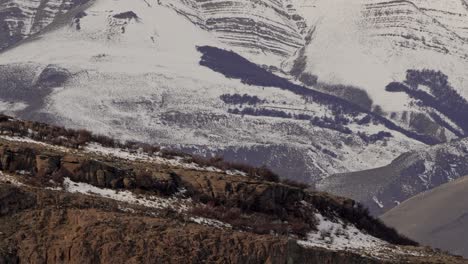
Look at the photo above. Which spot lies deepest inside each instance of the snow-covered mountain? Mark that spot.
(370, 43)
(20, 19)
(415, 172)
(162, 72)
(264, 31)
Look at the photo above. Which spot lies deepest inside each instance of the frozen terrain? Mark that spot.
(131, 69)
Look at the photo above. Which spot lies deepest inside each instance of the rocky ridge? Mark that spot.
(260, 28)
(102, 205)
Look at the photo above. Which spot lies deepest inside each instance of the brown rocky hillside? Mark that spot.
(79, 198)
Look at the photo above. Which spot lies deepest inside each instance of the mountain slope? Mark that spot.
(20, 19)
(442, 210)
(118, 68)
(266, 32)
(126, 73)
(414, 172)
(92, 203)
(375, 42)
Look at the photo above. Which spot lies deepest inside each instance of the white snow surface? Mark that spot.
(10, 108)
(154, 202)
(146, 84)
(210, 222)
(5, 178)
(139, 155)
(335, 235)
(367, 45)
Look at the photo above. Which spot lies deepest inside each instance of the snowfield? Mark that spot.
(370, 43)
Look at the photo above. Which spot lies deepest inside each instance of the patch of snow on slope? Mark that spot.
(135, 156)
(9, 108)
(379, 203)
(210, 222)
(337, 236)
(4, 178)
(124, 196)
(22, 139)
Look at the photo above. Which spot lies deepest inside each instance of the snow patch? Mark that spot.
(4, 178)
(210, 222)
(338, 236)
(379, 203)
(124, 196)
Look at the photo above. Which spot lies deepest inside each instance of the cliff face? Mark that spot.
(87, 230)
(252, 27)
(95, 204)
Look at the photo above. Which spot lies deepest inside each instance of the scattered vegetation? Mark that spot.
(126, 15)
(358, 215)
(441, 95)
(380, 136)
(235, 66)
(296, 184)
(256, 222)
(337, 123)
(351, 93)
(218, 162)
(80, 138)
(280, 209)
(241, 99)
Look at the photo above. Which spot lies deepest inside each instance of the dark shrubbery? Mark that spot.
(308, 79)
(358, 215)
(240, 99)
(353, 94)
(381, 136)
(65, 137)
(232, 65)
(218, 162)
(260, 112)
(337, 123)
(255, 222)
(365, 120)
(443, 97)
(296, 184)
(330, 153)
(53, 134)
(79, 138)
(126, 15)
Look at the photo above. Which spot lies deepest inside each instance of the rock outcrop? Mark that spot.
(44, 221)
(65, 228)
(257, 27)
